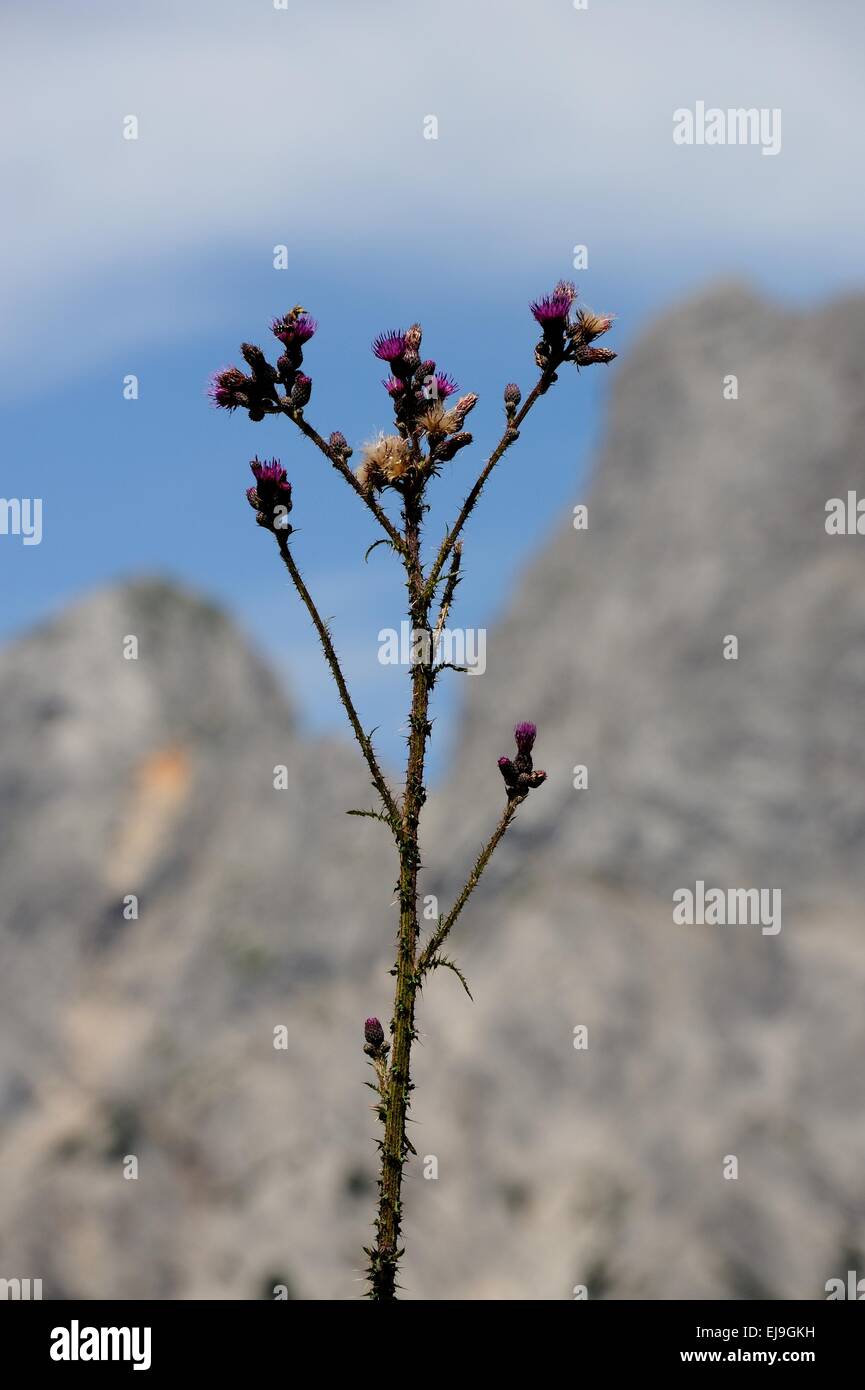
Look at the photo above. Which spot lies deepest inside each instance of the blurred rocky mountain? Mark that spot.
(261, 908)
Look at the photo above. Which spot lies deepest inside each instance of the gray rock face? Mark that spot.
(262, 909)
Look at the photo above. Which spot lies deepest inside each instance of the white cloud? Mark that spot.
(305, 125)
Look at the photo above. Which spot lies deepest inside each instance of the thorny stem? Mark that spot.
(333, 662)
(447, 597)
(438, 936)
(409, 970)
(384, 1256)
(508, 438)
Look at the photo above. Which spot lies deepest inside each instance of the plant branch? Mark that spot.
(333, 662)
(453, 579)
(509, 437)
(428, 954)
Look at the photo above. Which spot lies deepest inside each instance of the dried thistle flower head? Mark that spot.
(385, 461)
(434, 420)
(463, 407)
(589, 325)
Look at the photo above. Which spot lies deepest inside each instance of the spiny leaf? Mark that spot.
(451, 965)
(373, 815)
(385, 540)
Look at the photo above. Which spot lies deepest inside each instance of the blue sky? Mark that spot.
(305, 127)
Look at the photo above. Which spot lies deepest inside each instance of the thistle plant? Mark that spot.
(396, 471)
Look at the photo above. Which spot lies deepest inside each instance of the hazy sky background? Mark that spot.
(305, 127)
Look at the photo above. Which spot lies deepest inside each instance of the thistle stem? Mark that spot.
(333, 662)
(385, 1255)
(438, 936)
(508, 438)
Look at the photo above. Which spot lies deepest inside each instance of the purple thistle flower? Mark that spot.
(373, 1032)
(554, 308)
(393, 386)
(445, 385)
(389, 347)
(294, 331)
(227, 388)
(525, 735)
(271, 477)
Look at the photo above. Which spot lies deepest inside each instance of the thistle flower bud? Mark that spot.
(508, 771)
(301, 391)
(262, 371)
(446, 451)
(589, 356)
(519, 775)
(287, 370)
(373, 1032)
(340, 444)
(543, 353)
(513, 396)
(413, 337)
